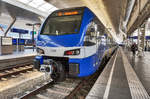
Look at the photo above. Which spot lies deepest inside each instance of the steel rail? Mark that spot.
(16, 66)
(15, 72)
(37, 90)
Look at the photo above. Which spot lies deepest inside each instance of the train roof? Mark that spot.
(80, 8)
(102, 27)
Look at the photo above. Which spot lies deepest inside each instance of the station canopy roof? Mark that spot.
(40, 5)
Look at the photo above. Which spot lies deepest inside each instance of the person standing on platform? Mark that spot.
(134, 48)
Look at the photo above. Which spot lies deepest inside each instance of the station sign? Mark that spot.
(147, 37)
(136, 37)
(33, 32)
(21, 31)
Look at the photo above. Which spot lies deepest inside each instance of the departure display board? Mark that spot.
(68, 12)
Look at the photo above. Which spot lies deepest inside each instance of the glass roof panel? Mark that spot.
(36, 3)
(47, 6)
(40, 5)
(33, 4)
(42, 9)
(53, 9)
(24, 1)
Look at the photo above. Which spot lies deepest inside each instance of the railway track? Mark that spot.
(69, 89)
(84, 86)
(15, 70)
(52, 90)
(62, 90)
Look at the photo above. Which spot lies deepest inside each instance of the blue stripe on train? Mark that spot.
(86, 65)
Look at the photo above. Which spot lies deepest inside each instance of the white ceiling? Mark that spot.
(40, 5)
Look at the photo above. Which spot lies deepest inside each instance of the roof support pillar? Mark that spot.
(14, 20)
(141, 40)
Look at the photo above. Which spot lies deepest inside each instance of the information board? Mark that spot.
(6, 40)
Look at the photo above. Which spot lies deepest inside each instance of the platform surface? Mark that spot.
(27, 52)
(118, 81)
(141, 65)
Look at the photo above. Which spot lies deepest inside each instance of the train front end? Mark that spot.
(60, 44)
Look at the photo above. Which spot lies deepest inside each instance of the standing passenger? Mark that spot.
(134, 48)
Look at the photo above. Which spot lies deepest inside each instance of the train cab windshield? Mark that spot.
(61, 25)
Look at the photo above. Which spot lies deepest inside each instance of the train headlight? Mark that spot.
(72, 52)
(40, 51)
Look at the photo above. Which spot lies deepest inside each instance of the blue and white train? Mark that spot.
(71, 42)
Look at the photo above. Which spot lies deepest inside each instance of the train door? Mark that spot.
(101, 44)
(96, 37)
(91, 42)
(99, 36)
(98, 47)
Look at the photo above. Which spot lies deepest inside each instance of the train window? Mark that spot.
(90, 37)
(62, 25)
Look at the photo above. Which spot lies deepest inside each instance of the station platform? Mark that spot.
(141, 65)
(17, 58)
(25, 53)
(118, 81)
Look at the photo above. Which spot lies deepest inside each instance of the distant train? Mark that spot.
(71, 42)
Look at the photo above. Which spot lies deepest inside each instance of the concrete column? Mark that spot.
(141, 40)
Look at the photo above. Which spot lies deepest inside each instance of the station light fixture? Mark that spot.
(30, 24)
